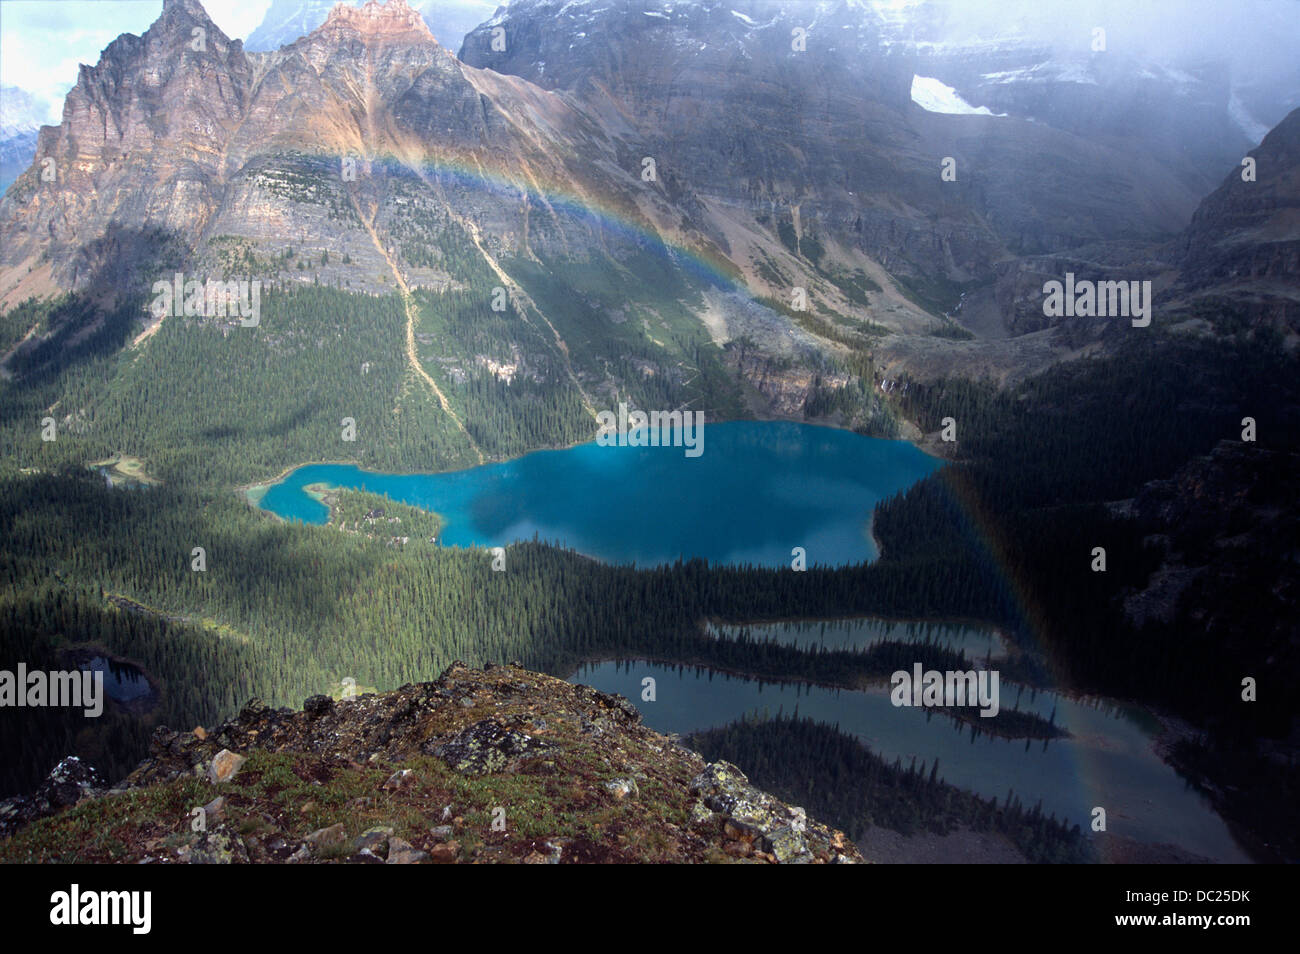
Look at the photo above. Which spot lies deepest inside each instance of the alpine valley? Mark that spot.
(828, 228)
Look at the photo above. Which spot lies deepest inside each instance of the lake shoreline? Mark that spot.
(396, 472)
(1094, 727)
(874, 685)
(1009, 644)
(816, 487)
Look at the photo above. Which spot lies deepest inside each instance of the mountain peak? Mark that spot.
(193, 7)
(176, 25)
(393, 19)
(184, 13)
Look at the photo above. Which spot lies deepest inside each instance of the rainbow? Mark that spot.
(702, 260)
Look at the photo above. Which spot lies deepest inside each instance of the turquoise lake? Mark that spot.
(758, 490)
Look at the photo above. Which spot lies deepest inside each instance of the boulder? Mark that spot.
(373, 838)
(225, 765)
(487, 746)
(622, 787)
(325, 838)
(402, 852)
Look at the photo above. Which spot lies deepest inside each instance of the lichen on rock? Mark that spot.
(494, 765)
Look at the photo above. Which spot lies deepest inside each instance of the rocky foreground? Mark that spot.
(494, 765)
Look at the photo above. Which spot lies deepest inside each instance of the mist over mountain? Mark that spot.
(21, 116)
(20, 112)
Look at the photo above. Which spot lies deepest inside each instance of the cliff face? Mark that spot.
(1250, 229)
(187, 146)
(142, 142)
(1242, 247)
(495, 765)
(779, 167)
(828, 133)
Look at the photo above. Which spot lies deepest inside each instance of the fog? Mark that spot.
(1260, 39)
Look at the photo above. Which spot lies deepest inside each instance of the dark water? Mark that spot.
(974, 641)
(122, 681)
(1108, 760)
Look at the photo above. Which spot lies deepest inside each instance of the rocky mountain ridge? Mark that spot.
(288, 20)
(493, 765)
(369, 152)
(1241, 251)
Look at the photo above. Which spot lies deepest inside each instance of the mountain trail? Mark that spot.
(516, 290)
(408, 302)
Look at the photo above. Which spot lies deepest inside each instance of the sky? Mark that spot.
(42, 42)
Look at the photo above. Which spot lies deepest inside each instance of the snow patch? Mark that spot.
(1247, 123)
(1008, 76)
(936, 96)
(1075, 73)
(751, 22)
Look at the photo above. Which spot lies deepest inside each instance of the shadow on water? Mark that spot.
(125, 683)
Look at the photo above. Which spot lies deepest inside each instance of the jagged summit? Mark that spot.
(193, 8)
(184, 15)
(394, 20)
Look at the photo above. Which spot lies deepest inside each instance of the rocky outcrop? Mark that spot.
(489, 746)
(393, 21)
(67, 784)
(1240, 256)
(501, 764)
(1250, 229)
(755, 821)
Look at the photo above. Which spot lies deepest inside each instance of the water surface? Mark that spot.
(1107, 761)
(978, 642)
(759, 489)
(122, 681)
